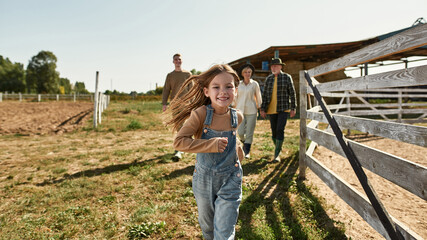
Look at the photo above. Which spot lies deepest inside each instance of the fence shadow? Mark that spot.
(271, 193)
(105, 170)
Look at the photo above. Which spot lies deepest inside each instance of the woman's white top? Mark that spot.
(248, 97)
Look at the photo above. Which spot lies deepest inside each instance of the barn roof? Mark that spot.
(324, 52)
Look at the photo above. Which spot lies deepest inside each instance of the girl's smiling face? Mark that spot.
(221, 91)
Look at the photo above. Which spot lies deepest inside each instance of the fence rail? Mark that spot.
(417, 107)
(402, 172)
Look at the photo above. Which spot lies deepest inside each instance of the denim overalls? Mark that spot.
(217, 183)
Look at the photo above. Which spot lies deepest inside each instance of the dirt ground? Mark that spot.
(29, 118)
(401, 204)
(60, 117)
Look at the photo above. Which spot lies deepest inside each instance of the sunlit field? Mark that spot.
(118, 182)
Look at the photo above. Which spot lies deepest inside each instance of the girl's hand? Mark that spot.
(222, 144)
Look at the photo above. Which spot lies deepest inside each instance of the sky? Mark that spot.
(131, 42)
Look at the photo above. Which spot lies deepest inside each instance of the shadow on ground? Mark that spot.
(108, 169)
(271, 194)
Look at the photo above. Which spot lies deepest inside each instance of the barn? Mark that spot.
(300, 57)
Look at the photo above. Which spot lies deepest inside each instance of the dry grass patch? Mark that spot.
(118, 182)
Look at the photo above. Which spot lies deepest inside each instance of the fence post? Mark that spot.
(1, 97)
(399, 99)
(347, 100)
(74, 97)
(39, 97)
(99, 107)
(302, 124)
(57, 97)
(20, 97)
(95, 110)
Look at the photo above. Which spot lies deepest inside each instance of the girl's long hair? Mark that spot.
(181, 106)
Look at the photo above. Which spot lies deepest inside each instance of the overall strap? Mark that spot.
(209, 114)
(234, 119)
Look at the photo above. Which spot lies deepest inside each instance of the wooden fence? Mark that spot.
(398, 102)
(393, 125)
(45, 97)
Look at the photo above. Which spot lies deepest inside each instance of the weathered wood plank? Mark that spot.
(315, 109)
(388, 105)
(313, 124)
(355, 199)
(416, 135)
(313, 145)
(408, 90)
(384, 112)
(311, 148)
(372, 95)
(409, 39)
(414, 76)
(408, 175)
(303, 125)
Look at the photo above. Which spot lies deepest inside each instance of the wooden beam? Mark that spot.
(416, 135)
(408, 175)
(373, 95)
(409, 39)
(303, 124)
(414, 76)
(383, 111)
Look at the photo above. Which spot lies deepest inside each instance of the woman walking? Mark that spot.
(248, 102)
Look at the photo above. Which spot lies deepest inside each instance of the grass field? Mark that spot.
(119, 182)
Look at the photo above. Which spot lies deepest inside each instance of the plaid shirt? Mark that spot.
(286, 98)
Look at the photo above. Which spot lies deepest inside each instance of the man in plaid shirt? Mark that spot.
(278, 101)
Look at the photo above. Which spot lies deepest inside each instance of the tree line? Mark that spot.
(39, 77)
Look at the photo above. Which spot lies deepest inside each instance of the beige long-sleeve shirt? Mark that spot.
(248, 97)
(193, 127)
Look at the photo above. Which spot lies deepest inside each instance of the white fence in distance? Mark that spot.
(47, 97)
(101, 102)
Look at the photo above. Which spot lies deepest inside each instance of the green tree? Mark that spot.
(195, 72)
(157, 91)
(65, 83)
(12, 76)
(80, 87)
(42, 76)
